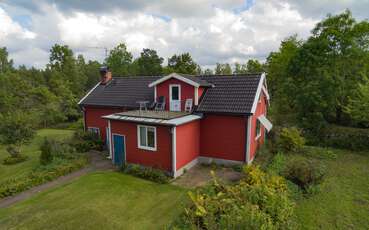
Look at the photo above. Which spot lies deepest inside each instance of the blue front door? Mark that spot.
(119, 149)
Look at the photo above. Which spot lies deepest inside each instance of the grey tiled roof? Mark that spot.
(122, 92)
(228, 94)
(197, 79)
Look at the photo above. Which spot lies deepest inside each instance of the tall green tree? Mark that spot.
(6, 64)
(149, 63)
(329, 68)
(182, 63)
(119, 60)
(254, 66)
(223, 69)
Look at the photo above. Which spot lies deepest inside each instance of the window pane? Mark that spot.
(142, 136)
(175, 93)
(151, 137)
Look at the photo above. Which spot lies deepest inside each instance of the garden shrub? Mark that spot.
(258, 201)
(304, 172)
(40, 175)
(86, 141)
(148, 173)
(46, 156)
(15, 156)
(277, 164)
(290, 140)
(14, 159)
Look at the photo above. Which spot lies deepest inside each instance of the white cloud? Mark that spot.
(10, 28)
(212, 31)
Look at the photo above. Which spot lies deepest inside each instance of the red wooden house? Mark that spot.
(226, 124)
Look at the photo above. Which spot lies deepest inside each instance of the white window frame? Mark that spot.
(139, 138)
(90, 129)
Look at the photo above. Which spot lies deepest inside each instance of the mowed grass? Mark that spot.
(32, 151)
(343, 199)
(101, 200)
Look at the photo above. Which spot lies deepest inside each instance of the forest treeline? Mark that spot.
(322, 79)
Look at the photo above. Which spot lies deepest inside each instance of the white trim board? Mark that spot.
(110, 142)
(89, 92)
(248, 136)
(176, 76)
(257, 95)
(174, 151)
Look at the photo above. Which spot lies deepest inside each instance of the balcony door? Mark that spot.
(175, 97)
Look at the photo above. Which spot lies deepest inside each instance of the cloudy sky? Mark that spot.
(212, 31)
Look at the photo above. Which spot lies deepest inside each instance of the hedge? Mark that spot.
(344, 137)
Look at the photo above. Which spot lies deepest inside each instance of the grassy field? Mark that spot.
(343, 202)
(32, 151)
(105, 200)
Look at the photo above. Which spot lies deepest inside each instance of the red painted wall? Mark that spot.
(161, 158)
(187, 143)
(223, 137)
(93, 117)
(255, 144)
(187, 91)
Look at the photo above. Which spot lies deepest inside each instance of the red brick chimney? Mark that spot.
(105, 75)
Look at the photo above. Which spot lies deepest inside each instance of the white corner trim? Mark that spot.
(209, 160)
(196, 95)
(155, 94)
(89, 92)
(110, 141)
(188, 166)
(249, 119)
(174, 151)
(257, 95)
(176, 76)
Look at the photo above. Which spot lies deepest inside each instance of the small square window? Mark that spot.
(146, 137)
(258, 129)
(94, 130)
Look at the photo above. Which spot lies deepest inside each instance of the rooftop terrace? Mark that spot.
(164, 115)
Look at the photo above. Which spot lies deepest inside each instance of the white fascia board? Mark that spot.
(89, 92)
(173, 122)
(258, 91)
(176, 76)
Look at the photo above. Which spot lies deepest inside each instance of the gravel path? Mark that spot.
(98, 162)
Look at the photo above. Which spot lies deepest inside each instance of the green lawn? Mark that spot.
(32, 151)
(104, 200)
(343, 202)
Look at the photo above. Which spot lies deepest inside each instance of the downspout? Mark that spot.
(174, 152)
(110, 142)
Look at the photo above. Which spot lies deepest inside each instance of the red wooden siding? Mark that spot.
(93, 117)
(187, 143)
(223, 137)
(187, 91)
(255, 144)
(161, 158)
